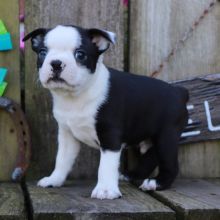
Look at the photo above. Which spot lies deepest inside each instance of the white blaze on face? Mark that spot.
(61, 43)
(63, 38)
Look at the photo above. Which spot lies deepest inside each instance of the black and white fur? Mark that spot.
(105, 109)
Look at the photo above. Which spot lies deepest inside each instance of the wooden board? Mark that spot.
(11, 202)
(9, 59)
(203, 108)
(73, 202)
(97, 13)
(155, 27)
(192, 199)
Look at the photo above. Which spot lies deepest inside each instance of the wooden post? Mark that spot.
(9, 13)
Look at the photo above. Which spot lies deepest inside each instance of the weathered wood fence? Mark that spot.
(9, 11)
(146, 32)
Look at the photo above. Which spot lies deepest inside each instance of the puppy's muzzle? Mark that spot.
(56, 68)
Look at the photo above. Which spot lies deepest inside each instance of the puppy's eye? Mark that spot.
(43, 52)
(80, 55)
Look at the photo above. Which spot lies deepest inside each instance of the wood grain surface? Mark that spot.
(73, 202)
(193, 199)
(12, 204)
(203, 108)
(10, 60)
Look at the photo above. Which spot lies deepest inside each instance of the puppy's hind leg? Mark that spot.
(68, 150)
(167, 151)
(147, 162)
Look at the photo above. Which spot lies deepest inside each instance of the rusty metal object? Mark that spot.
(23, 136)
(184, 38)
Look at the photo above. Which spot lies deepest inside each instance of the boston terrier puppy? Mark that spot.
(105, 108)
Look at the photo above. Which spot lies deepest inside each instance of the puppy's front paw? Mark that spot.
(148, 185)
(102, 192)
(50, 182)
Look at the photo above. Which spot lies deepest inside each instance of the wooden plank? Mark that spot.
(11, 202)
(98, 13)
(204, 108)
(192, 199)
(9, 59)
(155, 27)
(73, 201)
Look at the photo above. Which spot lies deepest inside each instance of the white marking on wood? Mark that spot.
(190, 133)
(211, 127)
(190, 107)
(190, 121)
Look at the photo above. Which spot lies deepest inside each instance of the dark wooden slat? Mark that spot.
(11, 202)
(73, 201)
(192, 199)
(203, 89)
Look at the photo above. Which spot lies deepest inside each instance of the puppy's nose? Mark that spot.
(57, 66)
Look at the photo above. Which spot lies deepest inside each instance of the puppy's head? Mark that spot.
(67, 56)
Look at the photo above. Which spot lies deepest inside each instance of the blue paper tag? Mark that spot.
(5, 42)
(3, 72)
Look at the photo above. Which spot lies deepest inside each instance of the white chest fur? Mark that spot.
(78, 113)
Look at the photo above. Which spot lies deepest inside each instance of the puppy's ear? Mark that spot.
(102, 38)
(37, 38)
